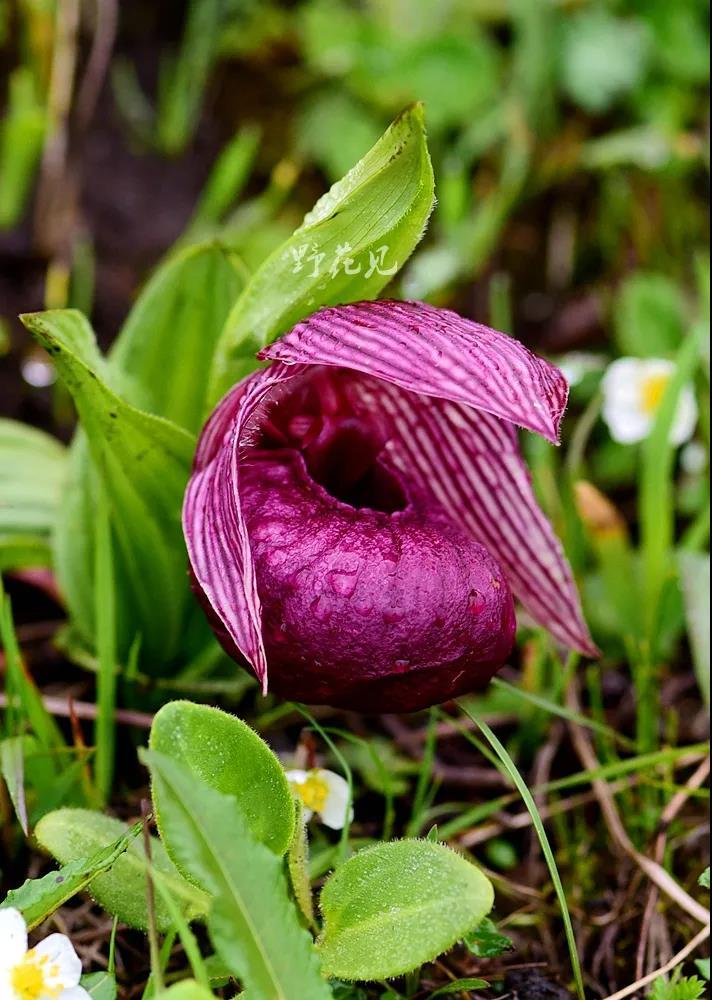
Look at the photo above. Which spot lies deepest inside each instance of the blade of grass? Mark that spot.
(421, 798)
(563, 712)
(388, 796)
(508, 767)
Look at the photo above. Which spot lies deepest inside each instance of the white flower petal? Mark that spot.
(13, 938)
(75, 993)
(626, 424)
(624, 391)
(64, 967)
(335, 811)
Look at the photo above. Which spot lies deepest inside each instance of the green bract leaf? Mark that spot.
(71, 834)
(166, 345)
(227, 755)
(392, 907)
(144, 462)
(347, 248)
(253, 925)
(32, 471)
(37, 898)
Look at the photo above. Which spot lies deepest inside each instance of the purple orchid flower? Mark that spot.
(359, 513)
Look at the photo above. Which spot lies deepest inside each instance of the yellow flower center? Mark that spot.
(313, 792)
(30, 979)
(651, 392)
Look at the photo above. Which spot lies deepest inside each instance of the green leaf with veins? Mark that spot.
(144, 462)
(166, 345)
(485, 941)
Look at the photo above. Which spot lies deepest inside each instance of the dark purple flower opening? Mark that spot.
(359, 513)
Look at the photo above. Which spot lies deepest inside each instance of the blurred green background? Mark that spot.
(570, 142)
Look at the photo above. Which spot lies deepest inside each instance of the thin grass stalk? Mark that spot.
(508, 767)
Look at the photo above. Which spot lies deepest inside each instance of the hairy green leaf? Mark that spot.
(393, 906)
(298, 866)
(227, 755)
(253, 925)
(37, 898)
(71, 834)
(348, 247)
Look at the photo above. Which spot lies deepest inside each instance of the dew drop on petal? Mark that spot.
(342, 582)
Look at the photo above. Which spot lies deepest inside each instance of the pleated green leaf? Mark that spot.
(357, 236)
(144, 462)
(165, 348)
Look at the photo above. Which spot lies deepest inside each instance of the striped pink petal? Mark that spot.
(470, 463)
(432, 352)
(213, 522)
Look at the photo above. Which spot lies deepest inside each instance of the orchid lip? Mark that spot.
(377, 425)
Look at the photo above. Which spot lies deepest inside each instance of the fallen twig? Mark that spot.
(664, 969)
(655, 872)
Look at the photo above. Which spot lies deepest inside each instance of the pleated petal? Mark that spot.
(433, 352)
(471, 464)
(213, 523)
